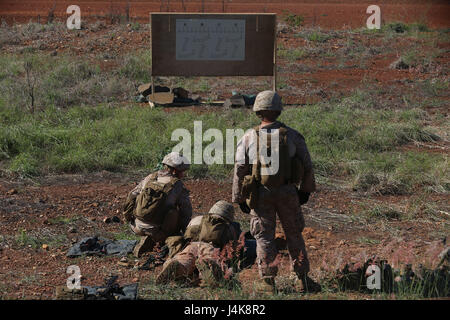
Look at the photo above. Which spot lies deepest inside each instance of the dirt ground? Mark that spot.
(59, 210)
(352, 59)
(50, 209)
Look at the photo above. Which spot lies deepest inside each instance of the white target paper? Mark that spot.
(210, 39)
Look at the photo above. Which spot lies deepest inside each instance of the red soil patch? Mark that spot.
(324, 13)
(34, 273)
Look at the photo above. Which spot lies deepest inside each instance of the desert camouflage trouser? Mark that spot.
(194, 255)
(284, 202)
(159, 233)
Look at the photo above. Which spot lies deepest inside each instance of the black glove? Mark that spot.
(244, 207)
(303, 196)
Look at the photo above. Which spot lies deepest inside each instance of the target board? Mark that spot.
(213, 44)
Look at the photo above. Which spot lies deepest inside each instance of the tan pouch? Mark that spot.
(250, 190)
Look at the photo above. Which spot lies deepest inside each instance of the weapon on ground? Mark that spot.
(155, 259)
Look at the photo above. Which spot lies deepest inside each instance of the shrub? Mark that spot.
(292, 19)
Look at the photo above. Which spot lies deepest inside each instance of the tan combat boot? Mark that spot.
(146, 244)
(172, 270)
(305, 284)
(265, 285)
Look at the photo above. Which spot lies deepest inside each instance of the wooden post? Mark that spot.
(274, 77)
(152, 95)
(151, 71)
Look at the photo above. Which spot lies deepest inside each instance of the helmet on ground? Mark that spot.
(267, 100)
(176, 161)
(224, 209)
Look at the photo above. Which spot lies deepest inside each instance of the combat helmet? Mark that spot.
(177, 161)
(267, 100)
(224, 209)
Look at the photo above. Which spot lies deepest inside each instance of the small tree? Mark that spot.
(127, 11)
(31, 82)
(51, 14)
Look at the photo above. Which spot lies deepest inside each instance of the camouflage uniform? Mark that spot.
(176, 220)
(282, 200)
(199, 255)
(191, 259)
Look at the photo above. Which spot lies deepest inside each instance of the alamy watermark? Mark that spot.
(74, 21)
(74, 280)
(373, 281)
(374, 21)
(220, 150)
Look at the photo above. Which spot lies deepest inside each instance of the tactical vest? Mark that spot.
(211, 228)
(216, 230)
(151, 201)
(193, 229)
(208, 228)
(290, 169)
(284, 169)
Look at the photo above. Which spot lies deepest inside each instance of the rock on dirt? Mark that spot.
(399, 64)
(11, 192)
(146, 89)
(123, 262)
(72, 230)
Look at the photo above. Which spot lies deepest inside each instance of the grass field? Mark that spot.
(359, 145)
(372, 106)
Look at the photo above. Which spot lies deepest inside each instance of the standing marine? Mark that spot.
(265, 193)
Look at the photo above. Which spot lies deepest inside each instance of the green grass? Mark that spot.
(349, 141)
(316, 35)
(293, 20)
(434, 87)
(85, 139)
(402, 173)
(291, 54)
(137, 66)
(224, 291)
(390, 30)
(400, 27)
(63, 220)
(64, 81)
(148, 290)
(79, 126)
(179, 291)
(377, 212)
(24, 239)
(125, 234)
(369, 241)
(344, 140)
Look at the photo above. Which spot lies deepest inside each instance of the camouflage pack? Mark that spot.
(150, 203)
